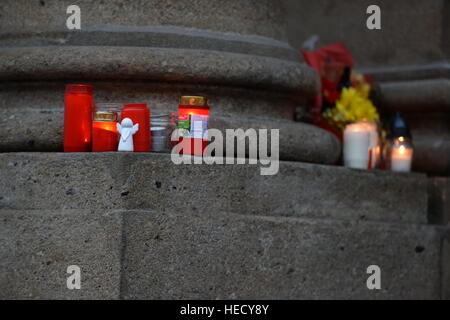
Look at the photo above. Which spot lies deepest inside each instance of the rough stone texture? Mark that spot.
(445, 267)
(142, 227)
(160, 97)
(155, 37)
(431, 70)
(249, 17)
(37, 246)
(212, 255)
(156, 64)
(439, 200)
(152, 181)
(425, 104)
(412, 31)
(25, 130)
(430, 95)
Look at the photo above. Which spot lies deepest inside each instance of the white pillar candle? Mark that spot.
(401, 159)
(356, 146)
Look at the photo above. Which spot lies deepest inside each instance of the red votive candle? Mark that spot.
(78, 118)
(104, 131)
(139, 113)
(193, 115)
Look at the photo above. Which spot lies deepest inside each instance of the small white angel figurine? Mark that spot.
(126, 131)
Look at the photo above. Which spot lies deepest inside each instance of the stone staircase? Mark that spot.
(141, 227)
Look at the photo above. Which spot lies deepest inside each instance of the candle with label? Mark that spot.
(193, 116)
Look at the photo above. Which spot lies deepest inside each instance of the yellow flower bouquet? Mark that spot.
(353, 105)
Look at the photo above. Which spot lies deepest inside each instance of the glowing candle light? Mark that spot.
(78, 118)
(399, 150)
(104, 131)
(401, 158)
(193, 115)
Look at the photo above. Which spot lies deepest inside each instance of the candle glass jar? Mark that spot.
(398, 151)
(193, 116)
(161, 127)
(78, 118)
(105, 136)
(399, 154)
(139, 113)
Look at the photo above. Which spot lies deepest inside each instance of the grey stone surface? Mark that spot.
(263, 17)
(37, 246)
(60, 181)
(212, 255)
(426, 71)
(412, 31)
(140, 227)
(155, 37)
(421, 95)
(439, 200)
(445, 266)
(35, 129)
(152, 181)
(156, 64)
(160, 97)
(425, 104)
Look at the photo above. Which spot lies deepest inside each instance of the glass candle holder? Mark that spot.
(161, 127)
(399, 149)
(193, 116)
(105, 136)
(400, 154)
(139, 113)
(78, 118)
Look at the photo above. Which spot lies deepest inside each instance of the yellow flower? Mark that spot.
(352, 106)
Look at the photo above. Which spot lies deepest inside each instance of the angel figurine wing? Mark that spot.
(135, 128)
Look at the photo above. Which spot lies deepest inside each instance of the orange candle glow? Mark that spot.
(77, 118)
(193, 115)
(104, 132)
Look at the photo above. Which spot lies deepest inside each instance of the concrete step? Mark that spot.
(139, 254)
(140, 227)
(151, 181)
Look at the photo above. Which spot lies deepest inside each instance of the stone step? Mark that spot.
(39, 245)
(151, 181)
(139, 227)
(143, 254)
(226, 256)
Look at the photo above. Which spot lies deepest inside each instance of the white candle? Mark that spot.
(356, 146)
(401, 159)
